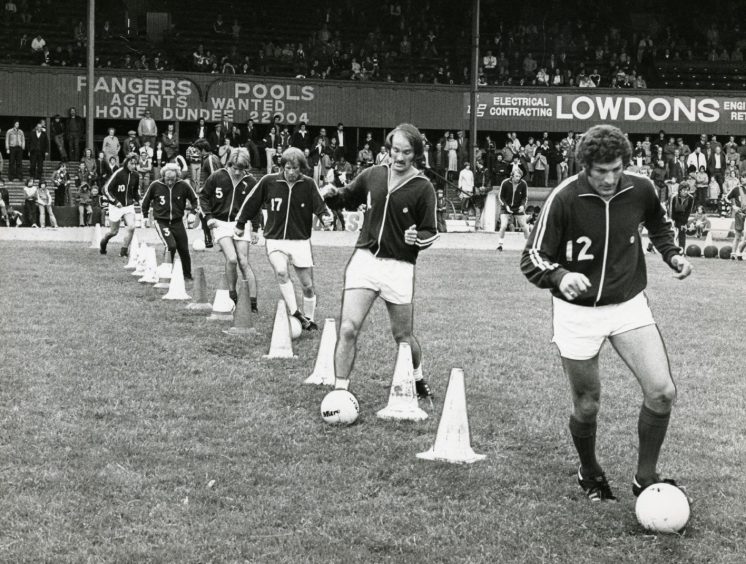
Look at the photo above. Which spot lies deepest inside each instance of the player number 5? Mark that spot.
(218, 192)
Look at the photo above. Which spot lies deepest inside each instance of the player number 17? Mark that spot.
(275, 203)
(583, 254)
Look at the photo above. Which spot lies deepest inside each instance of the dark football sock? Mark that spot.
(651, 429)
(253, 304)
(584, 438)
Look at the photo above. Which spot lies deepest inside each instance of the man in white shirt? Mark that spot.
(466, 188)
(147, 129)
(696, 159)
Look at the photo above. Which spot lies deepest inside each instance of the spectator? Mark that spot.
(529, 66)
(466, 189)
(224, 152)
(160, 159)
(15, 143)
(696, 159)
(169, 143)
(702, 183)
(442, 208)
(147, 129)
(111, 146)
(701, 222)
(74, 131)
(383, 158)
(38, 148)
(89, 161)
(681, 207)
(30, 213)
(144, 169)
(85, 209)
(301, 138)
(60, 180)
(541, 164)
(131, 143)
(44, 205)
(481, 189)
(216, 138)
(451, 148)
(716, 165)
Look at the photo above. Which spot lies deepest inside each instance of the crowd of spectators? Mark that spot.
(583, 44)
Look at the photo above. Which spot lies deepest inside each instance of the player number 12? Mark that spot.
(583, 254)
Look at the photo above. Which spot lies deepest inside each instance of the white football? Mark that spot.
(662, 508)
(339, 407)
(198, 245)
(295, 327)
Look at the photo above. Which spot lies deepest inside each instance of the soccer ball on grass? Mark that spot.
(662, 508)
(339, 407)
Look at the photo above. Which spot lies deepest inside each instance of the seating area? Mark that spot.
(702, 75)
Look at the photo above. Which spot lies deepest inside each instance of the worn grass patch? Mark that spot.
(134, 430)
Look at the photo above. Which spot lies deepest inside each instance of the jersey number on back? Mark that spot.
(583, 254)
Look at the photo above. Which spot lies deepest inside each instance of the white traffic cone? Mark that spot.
(403, 397)
(164, 272)
(96, 237)
(323, 370)
(150, 276)
(453, 440)
(176, 288)
(708, 239)
(142, 259)
(133, 252)
(281, 345)
(222, 305)
(200, 301)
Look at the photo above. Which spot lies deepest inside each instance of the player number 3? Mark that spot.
(583, 254)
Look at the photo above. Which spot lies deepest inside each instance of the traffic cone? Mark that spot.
(242, 322)
(222, 305)
(403, 397)
(453, 440)
(142, 258)
(323, 370)
(133, 253)
(708, 239)
(200, 302)
(281, 345)
(150, 276)
(176, 288)
(164, 272)
(96, 237)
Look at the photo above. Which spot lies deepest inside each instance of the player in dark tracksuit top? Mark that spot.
(399, 221)
(291, 200)
(513, 196)
(122, 192)
(169, 197)
(209, 163)
(585, 248)
(221, 198)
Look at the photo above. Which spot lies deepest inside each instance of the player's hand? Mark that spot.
(683, 267)
(254, 237)
(328, 191)
(573, 284)
(211, 223)
(238, 232)
(119, 204)
(410, 235)
(521, 209)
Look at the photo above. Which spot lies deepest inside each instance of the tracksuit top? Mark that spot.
(168, 203)
(220, 199)
(290, 207)
(389, 214)
(579, 231)
(513, 197)
(210, 165)
(123, 187)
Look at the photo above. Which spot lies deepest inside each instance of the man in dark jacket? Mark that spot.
(74, 132)
(37, 144)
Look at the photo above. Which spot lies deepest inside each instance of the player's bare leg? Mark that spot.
(242, 254)
(129, 231)
(504, 220)
(645, 354)
(356, 304)
(585, 387)
(113, 230)
(305, 277)
(231, 265)
(521, 220)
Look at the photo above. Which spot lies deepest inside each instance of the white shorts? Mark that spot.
(223, 229)
(298, 251)
(579, 331)
(392, 279)
(116, 214)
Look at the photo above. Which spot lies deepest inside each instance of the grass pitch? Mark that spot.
(133, 430)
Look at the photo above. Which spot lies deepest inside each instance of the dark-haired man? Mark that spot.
(586, 249)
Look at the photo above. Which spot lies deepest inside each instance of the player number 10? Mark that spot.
(583, 254)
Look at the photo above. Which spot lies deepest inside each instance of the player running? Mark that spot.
(586, 249)
(399, 221)
(291, 199)
(209, 164)
(169, 197)
(221, 198)
(122, 192)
